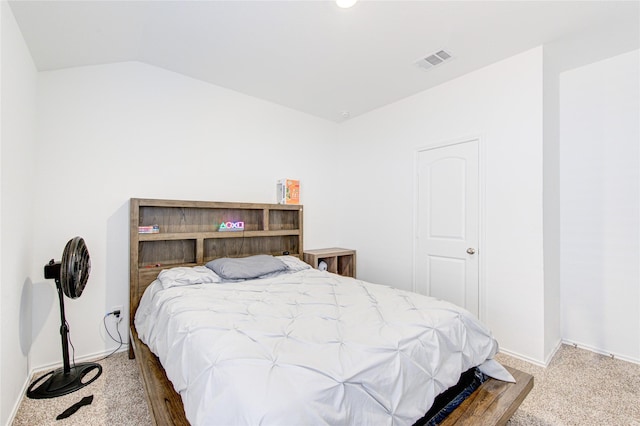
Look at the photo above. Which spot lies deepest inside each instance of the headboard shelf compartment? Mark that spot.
(166, 252)
(199, 219)
(189, 235)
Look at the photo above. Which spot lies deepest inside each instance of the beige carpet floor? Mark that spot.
(577, 388)
(118, 399)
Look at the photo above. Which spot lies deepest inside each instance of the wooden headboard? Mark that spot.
(189, 235)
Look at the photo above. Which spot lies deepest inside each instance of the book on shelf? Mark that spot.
(288, 191)
(151, 229)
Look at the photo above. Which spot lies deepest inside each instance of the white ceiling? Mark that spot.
(315, 57)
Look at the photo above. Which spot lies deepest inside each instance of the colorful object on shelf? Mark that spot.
(153, 229)
(231, 226)
(288, 191)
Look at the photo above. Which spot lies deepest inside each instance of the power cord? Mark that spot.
(115, 313)
(71, 343)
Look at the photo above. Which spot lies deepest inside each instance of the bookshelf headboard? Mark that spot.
(188, 234)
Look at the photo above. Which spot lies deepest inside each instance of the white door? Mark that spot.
(447, 224)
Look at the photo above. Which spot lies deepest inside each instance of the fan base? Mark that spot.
(58, 383)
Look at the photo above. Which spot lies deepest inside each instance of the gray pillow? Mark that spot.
(294, 264)
(245, 268)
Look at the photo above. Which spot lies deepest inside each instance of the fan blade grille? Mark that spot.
(75, 268)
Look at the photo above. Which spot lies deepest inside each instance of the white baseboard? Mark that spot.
(553, 353)
(570, 343)
(90, 357)
(522, 357)
(602, 351)
(16, 405)
(537, 362)
(53, 366)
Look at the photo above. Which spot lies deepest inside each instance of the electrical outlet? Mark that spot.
(117, 308)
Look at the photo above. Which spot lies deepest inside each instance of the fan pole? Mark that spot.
(64, 331)
(66, 379)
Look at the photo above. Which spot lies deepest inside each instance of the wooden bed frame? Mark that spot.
(190, 235)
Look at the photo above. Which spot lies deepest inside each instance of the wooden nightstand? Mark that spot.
(339, 261)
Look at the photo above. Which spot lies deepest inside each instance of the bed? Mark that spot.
(350, 375)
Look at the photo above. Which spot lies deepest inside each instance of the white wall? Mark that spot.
(17, 137)
(108, 133)
(503, 104)
(551, 201)
(600, 211)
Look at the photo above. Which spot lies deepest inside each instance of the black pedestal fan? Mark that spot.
(71, 275)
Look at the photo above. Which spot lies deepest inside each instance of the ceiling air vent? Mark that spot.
(432, 60)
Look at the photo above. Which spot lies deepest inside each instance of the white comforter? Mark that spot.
(308, 348)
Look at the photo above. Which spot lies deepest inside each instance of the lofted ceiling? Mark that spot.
(315, 57)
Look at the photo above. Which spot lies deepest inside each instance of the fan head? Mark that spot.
(72, 272)
(75, 267)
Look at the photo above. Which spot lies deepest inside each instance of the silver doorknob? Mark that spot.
(471, 250)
